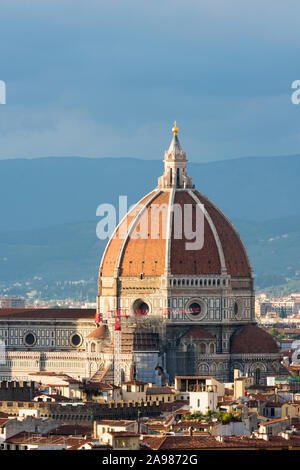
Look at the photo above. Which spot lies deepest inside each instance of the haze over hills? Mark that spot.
(48, 223)
(51, 191)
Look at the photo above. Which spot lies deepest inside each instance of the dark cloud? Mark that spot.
(107, 78)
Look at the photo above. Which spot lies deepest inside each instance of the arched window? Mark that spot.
(202, 348)
(212, 349)
(93, 347)
(178, 178)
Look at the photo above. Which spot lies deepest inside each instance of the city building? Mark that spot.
(12, 302)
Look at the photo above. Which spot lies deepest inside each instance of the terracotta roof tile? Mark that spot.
(197, 332)
(99, 333)
(251, 339)
(47, 313)
(147, 254)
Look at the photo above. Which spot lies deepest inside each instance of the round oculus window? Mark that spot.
(140, 307)
(196, 309)
(75, 340)
(29, 339)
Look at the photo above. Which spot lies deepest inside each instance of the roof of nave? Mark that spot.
(47, 313)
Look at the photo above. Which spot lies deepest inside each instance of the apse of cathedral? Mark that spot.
(171, 301)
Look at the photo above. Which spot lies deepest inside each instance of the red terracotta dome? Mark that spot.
(251, 339)
(147, 242)
(223, 250)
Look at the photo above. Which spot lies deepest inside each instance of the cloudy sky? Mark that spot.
(107, 78)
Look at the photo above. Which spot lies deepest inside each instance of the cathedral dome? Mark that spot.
(151, 240)
(251, 339)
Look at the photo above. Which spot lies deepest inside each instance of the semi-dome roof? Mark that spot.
(148, 241)
(251, 339)
(99, 333)
(197, 332)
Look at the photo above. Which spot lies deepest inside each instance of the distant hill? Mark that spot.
(50, 259)
(48, 240)
(53, 191)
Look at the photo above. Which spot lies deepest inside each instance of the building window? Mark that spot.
(75, 340)
(29, 339)
(140, 307)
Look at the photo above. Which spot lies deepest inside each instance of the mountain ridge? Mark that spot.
(47, 191)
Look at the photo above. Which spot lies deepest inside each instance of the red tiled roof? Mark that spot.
(99, 333)
(210, 442)
(4, 421)
(251, 339)
(294, 367)
(47, 313)
(134, 382)
(197, 332)
(175, 406)
(27, 438)
(62, 376)
(114, 422)
(236, 258)
(204, 261)
(272, 421)
(115, 243)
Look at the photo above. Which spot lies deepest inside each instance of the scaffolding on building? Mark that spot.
(133, 333)
(138, 332)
